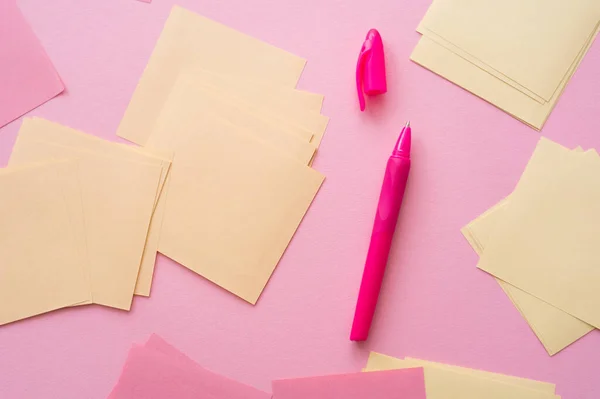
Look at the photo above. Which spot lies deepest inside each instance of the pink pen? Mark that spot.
(390, 199)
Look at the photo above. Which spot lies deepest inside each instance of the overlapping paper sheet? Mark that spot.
(453, 382)
(44, 260)
(518, 55)
(389, 384)
(27, 76)
(189, 40)
(158, 370)
(537, 225)
(111, 204)
(243, 139)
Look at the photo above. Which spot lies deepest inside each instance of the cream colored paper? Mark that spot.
(189, 39)
(262, 92)
(545, 243)
(232, 207)
(468, 57)
(275, 107)
(533, 42)
(38, 129)
(191, 107)
(445, 63)
(43, 258)
(451, 382)
(555, 329)
(118, 199)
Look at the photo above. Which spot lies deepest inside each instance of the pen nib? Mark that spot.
(404, 140)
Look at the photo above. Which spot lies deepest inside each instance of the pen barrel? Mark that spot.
(390, 200)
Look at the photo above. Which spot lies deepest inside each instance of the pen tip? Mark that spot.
(407, 124)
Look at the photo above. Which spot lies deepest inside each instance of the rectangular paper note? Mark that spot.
(442, 61)
(43, 261)
(189, 39)
(151, 374)
(191, 107)
(232, 207)
(443, 381)
(118, 198)
(393, 384)
(545, 244)
(217, 385)
(27, 76)
(533, 42)
(38, 129)
(278, 104)
(555, 329)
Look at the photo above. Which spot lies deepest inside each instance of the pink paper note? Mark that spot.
(27, 77)
(215, 384)
(158, 370)
(391, 384)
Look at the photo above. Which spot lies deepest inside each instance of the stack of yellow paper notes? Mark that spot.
(452, 382)
(79, 221)
(541, 243)
(243, 140)
(516, 54)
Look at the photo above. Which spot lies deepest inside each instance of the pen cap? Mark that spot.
(370, 69)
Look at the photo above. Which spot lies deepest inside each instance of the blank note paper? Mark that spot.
(518, 55)
(534, 232)
(189, 39)
(27, 76)
(232, 207)
(37, 129)
(43, 260)
(555, 329)
(545, 244)
(157, 371)
(393, 384)
(444, 381)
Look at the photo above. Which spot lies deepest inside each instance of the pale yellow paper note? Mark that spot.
(43, 262)
(270, 105)
(533, 42)
(262, 91)
(555, 329)
(38, 129)
(189, 39)
(232, 207)
(451, 382)
(468, 57)
(545, 243)
(190, 108)
(118, 199)
(445, 63)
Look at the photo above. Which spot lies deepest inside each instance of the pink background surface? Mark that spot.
(434, 305)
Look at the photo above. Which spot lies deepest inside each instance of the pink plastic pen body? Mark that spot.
(390, 200)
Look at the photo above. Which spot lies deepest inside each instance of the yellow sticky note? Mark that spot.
(545, 243)
(272, 105)
(232, 206)
(555, 329)
(191, 105)
(263, 92)
(43, 260)
(38, 129)
(533, 42)
(442, 61)
(189, 39)
(118, 199)
(451, 382)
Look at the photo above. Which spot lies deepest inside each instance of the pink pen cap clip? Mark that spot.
(370, 68)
